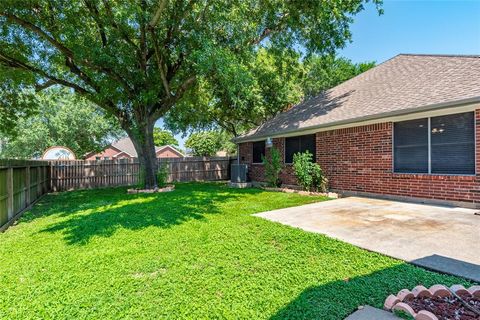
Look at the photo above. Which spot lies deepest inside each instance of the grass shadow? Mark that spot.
(102, 212)
(338, 299)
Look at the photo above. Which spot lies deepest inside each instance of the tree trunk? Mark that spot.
(145, 147)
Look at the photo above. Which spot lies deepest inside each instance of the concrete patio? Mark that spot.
(445, 239)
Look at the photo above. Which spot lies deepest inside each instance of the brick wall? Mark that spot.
(360, 159)
(256, 171)
(168, 153)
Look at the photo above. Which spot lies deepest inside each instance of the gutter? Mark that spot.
(430, 107)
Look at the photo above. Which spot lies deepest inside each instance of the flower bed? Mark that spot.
(437, 303)
(301, 192)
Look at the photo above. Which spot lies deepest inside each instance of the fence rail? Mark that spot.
(21, 184)
(85, 174)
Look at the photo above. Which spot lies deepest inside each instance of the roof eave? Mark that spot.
(430, 107)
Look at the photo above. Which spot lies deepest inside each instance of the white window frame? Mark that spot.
(429, 118)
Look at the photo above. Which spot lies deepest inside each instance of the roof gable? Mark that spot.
(126, 145)
(171, 148)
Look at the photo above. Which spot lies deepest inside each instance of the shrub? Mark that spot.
(273, 166)
(309, 174)
(162, 174)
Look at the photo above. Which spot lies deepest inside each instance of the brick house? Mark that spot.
(124, 149)
(406, 129)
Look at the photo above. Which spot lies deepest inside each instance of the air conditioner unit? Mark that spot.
(239, 173)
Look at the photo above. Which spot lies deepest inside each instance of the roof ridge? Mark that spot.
(440, 55)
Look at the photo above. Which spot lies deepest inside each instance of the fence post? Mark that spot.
(39, 182)
(51, 182)
(10, 192)
(27, 186)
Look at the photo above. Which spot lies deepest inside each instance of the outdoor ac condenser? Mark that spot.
(239, 173)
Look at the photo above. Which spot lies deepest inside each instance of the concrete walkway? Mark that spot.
(440, 238)
(371, 313)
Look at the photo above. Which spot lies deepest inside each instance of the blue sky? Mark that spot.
(412, 26)
(407, 26)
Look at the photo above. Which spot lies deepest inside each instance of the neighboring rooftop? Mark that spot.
(403, 84)
(126, 145)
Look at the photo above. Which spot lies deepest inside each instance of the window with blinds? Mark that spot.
(258, 151)
(453, 144)
(438, 145)
(411, 146)
(299, 144)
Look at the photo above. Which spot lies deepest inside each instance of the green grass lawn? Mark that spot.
(194, 253)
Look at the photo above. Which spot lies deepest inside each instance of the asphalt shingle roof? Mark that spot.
(399, 85)
(126, 145)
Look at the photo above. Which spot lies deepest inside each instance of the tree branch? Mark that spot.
(30, 26)
(70, 58)
(161, 6)
(51, 80)
(82, 75)
(122, 32)
(15, 63)
(160, 63)
(166, 104)
(184, 87)
(269, 30)
(91, 6)
(45, 85)
(143, 38)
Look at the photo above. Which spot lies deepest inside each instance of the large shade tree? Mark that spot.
(138, 59)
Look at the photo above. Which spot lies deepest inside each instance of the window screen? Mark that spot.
(299, 144)
(453, 144)
(258, 151)
(411, 146)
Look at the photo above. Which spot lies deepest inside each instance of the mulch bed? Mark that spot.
(447, 308)
(164, 189)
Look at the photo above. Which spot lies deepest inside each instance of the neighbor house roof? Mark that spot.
(126, 145)
(404, 84)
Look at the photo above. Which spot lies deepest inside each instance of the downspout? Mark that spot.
(238, 153)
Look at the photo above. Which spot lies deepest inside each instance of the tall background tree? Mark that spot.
(277, 81)
(138, 59)
(63, 119)
(164, 137)
(208, 143)
(325, 72)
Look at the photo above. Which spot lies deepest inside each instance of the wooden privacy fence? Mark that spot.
(90, 174)
(197, 168)
(21, 184)
(83, 174)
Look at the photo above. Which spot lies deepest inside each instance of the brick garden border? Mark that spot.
(396, 302)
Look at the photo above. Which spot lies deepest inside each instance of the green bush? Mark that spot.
(273, 166)
(309, 174)
(162, 174)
